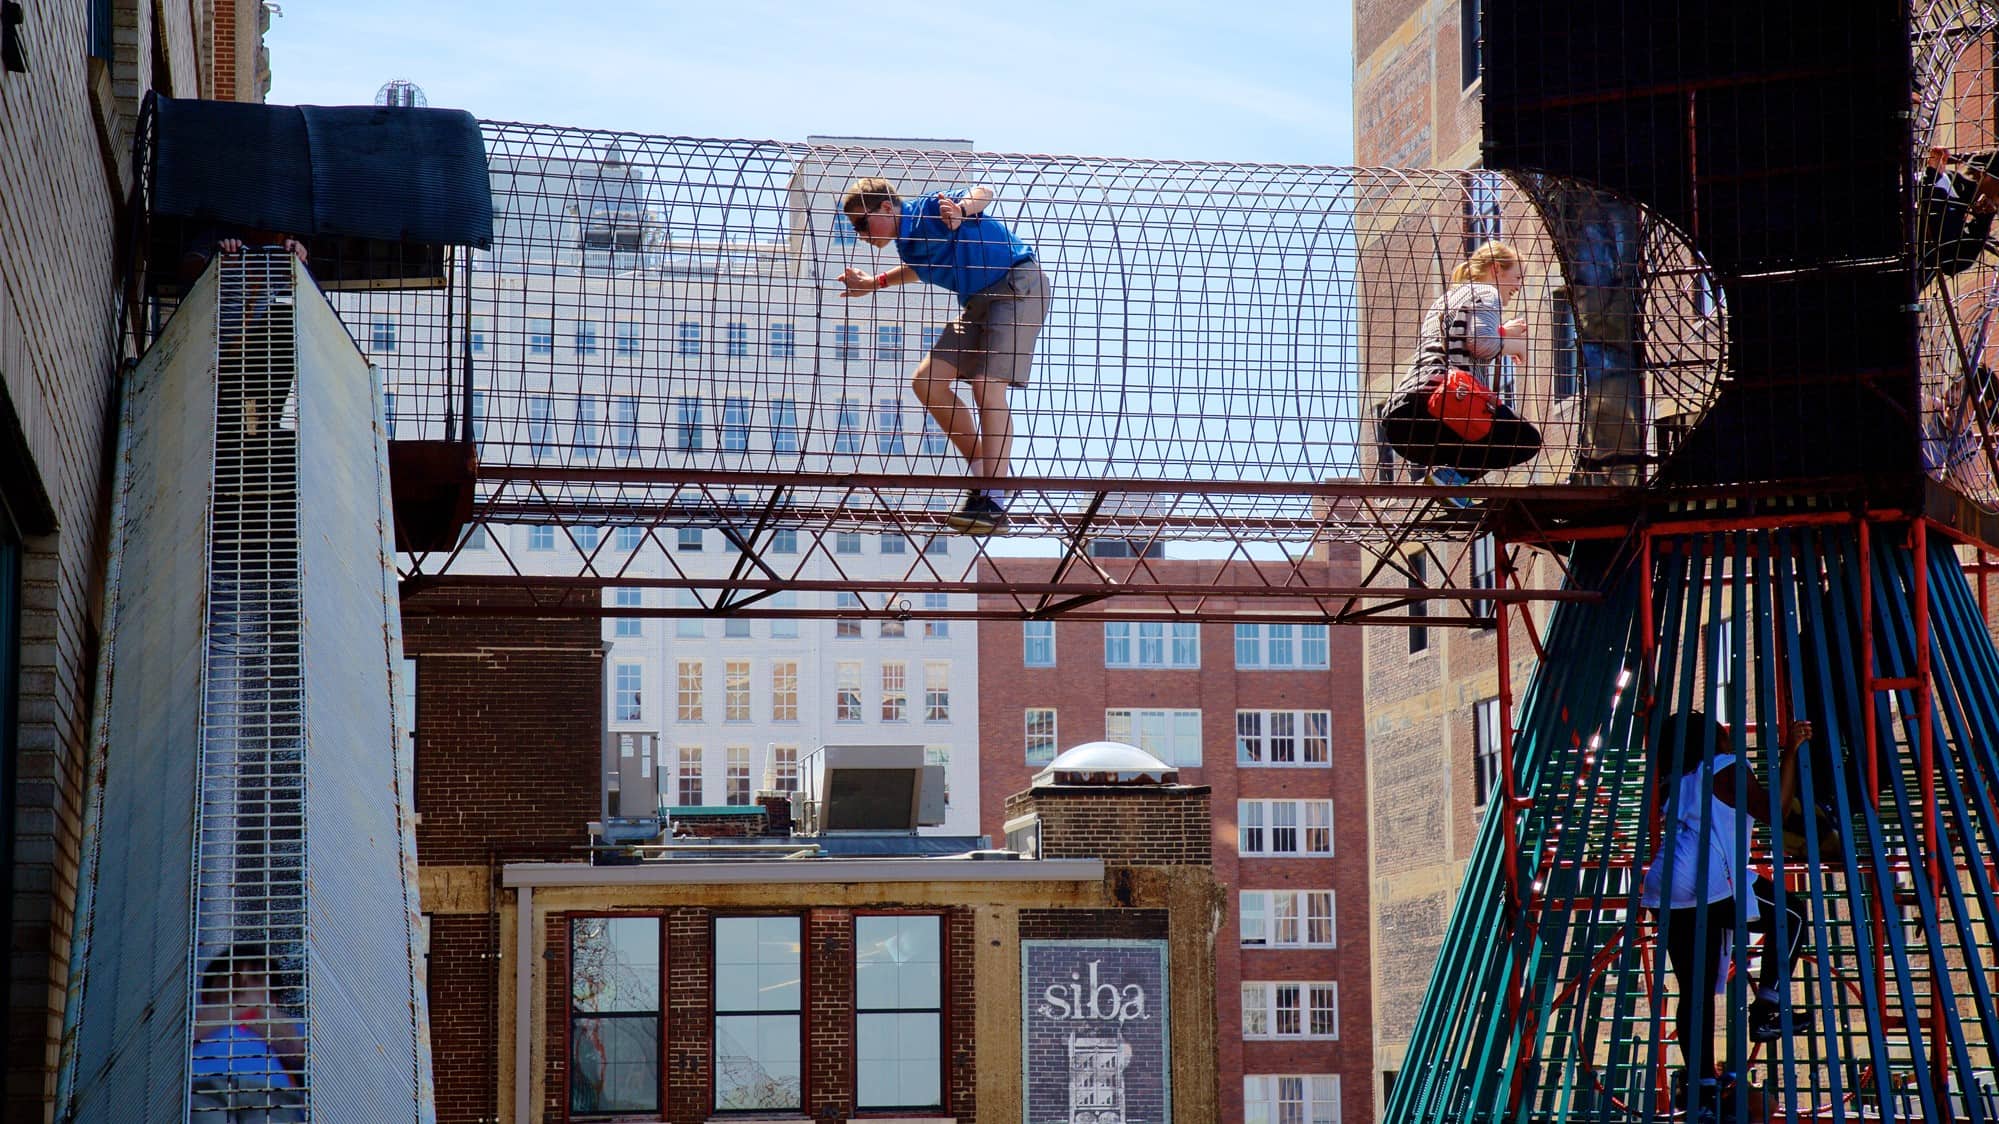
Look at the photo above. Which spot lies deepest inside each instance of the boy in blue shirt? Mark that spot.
(947, 240)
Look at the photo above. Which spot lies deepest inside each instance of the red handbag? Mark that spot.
(1464, 405)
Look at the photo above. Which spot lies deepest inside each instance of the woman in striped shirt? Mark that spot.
(1463, 332)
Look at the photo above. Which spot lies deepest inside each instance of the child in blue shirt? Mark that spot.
(947, 240)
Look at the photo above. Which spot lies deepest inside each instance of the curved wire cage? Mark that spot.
(1957, 118)
(657, 307)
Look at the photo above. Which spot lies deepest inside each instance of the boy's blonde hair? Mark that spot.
(1483, 261)
(866, 196)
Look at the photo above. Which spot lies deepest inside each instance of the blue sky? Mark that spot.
(1255, 80)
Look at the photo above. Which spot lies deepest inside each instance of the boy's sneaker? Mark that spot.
(979, 516)
(1450, 478)
(1766, 1020)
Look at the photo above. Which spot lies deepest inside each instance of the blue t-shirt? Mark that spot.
(238, 1051)
(964, 260)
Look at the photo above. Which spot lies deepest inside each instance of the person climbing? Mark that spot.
(1955, 210)
(1442, 414)
(1712, 885)
(949, 240)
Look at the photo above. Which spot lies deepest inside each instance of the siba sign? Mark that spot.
(1095, 1032)
(1093, 999)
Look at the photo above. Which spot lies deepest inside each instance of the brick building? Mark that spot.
(805, 976)
(72, 76)
(1269, 718)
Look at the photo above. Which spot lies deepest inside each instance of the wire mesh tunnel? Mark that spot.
(1555, 998)
(657, 311)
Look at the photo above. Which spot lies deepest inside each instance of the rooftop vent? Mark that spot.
(1106, 763)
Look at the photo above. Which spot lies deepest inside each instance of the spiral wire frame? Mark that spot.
(656, 337)
(1957, 109)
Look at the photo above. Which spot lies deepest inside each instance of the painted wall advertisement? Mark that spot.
(1095, 1032)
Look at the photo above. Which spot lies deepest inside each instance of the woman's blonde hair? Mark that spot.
(1483, 260)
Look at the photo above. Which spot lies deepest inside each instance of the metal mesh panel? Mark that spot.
(656, 309)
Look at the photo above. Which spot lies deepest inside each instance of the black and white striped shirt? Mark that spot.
(1460, 332)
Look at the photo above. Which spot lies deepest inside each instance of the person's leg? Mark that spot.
(995, 443)
(1414, 435)
(1513, 440)
(1766, 1010)
(1695, 970)
(933, 385)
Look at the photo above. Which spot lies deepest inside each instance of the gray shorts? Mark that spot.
(994, 336)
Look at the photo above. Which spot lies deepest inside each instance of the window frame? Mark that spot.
(1028, 715)
(1301, 737)
(802, 1013)
(1028, 638)
(1300, 825)
(943, 1011)
(569, 1028)
(1301, 916)
(1272, 1011)
(1172, 717)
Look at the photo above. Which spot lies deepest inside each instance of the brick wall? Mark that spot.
(830, 1022)
(1093, 924)
(464, 1017)
(509, 735)
(1080, 688)
(58, 354)
(1122, 826)
(690, 1029)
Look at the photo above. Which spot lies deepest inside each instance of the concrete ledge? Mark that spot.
(823, 871)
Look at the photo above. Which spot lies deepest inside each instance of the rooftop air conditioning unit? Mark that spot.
(867, 788)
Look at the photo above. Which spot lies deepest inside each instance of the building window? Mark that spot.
(1469, 30)
(735, 690)
(626, 705)
(934, 442)
(784, 628)
(474, 538)
(541, 426)
(784, 425)
(687, 431)
(846, 341)
(894, 544)
(587, 538)
(382, 336)
(687, 677)
(736, 775)
(389, 414)
(1038, 643)
(1159, 644)
(888, 341)
(688, 539)
(936, 691)
(783, 341)
(1419, 635)
(1484, 572)
(759, 993)
(477, 335)
(1290, 1010)
(739, 339)
(1287, 1099)
(1280, 647)
(1173, 736)
(625, 426)
(1040, 735)
(846, 542)
(1284, 737)
(844, 233)
(689, 335)
(843, 628)
(1284, 827)
(894, 629)
(628, 599)
(784, 691)
(689, 788)
(584, 446)
(627, 540)
(888, 427)
(541, 336)
(931, 335)
(1483, 222)
(1485, 750)
(847, 426)
(1287, 919)
(541, 536)
(898, 1012)
(935, 629)
(784, 768)
(940, 755)
(586, 337)
(614, 1015)
(627, 337)
(784, 542)
(688, 628)
(895, 691)
(847, 691)
(1563, 355)
(735, 425)
(736, 628)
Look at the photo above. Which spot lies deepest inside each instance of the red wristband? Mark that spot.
(1502, 331)
(881, 280)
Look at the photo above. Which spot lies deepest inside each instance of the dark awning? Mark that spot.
(376, 192)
